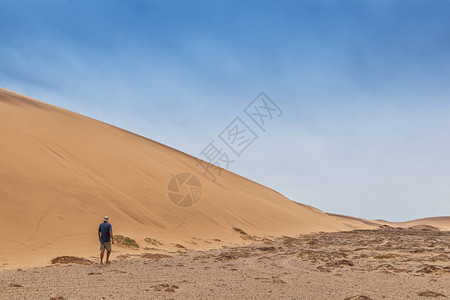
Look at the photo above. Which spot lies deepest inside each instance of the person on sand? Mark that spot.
(106, 238)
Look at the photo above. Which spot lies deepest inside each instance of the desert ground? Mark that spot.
(384, 263)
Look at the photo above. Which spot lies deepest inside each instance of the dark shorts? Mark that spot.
(105, 245)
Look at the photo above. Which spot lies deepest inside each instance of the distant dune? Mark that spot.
(442, 223)
(61, 172)
(355, 222)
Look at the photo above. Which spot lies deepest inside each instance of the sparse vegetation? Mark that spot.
(153, 241)
(384, 256)
(246, 236)
(180, 246)
(315, 256)
(156, 256)
(359, 297)
(225, 256)
(431, 294)
(418, 258)
(125, 241)
(165, 287)
(240, 231)
(71, 260)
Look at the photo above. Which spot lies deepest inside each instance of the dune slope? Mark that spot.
(60, 172)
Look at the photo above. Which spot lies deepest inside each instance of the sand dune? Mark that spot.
(443, 223)
(357, 223)
(60, 172)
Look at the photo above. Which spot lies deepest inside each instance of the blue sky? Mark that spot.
(364, 86)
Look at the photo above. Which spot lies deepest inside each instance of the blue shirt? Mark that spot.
(105, 228)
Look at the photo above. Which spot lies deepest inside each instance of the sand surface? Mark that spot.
(386, 263)
(61, 172)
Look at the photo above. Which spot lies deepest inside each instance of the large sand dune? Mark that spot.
(60, 172)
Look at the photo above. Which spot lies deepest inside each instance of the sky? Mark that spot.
(363, 87)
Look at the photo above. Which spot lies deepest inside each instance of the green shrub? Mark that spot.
(125, 241)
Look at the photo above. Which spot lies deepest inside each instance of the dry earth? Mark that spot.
(386, 263)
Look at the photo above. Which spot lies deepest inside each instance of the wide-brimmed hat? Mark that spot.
(106, 219)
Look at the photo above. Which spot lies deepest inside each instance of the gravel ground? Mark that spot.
(386, 263)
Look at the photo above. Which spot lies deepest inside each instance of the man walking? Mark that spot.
(106, 238)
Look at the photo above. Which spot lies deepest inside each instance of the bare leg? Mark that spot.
(101, 256)
(107, 256)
